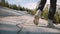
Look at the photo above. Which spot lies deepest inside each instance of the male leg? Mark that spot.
(51, 12)
(39, 10)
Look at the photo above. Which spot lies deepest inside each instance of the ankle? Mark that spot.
(38, 13)
(50, 22)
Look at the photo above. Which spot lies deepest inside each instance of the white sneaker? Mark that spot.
(36, 18)
(50, 23)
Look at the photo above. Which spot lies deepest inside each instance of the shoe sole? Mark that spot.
(36, 20)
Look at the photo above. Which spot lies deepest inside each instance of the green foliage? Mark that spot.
(29, 11)
(32, 12)
(12, 6)
(45, 15)
(2, 4)
(56, 16)
(6, 4)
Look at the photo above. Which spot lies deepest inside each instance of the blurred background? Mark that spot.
(30, 7)
(16, 17)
